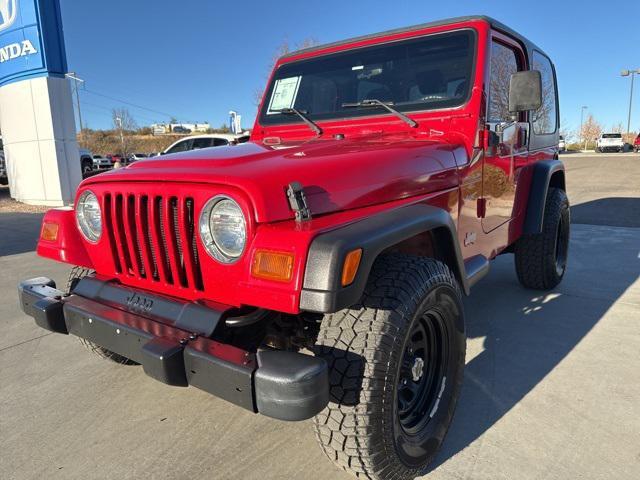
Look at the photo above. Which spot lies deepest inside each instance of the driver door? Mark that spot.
(508, 152)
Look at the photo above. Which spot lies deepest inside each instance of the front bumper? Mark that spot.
(166, 337)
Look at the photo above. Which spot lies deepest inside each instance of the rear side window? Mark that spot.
(545, 118)
(199, 143)
(180, 147)
(504, 63)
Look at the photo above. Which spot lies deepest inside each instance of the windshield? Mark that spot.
(611, 135)
(427, 73)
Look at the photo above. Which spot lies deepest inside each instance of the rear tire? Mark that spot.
(541, 258)
(77, 274)
(396, 363)
(87, 168)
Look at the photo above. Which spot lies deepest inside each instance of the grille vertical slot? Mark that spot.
(132, 235)
(121, 236)
(107, 208)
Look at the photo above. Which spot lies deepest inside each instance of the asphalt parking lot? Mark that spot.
(552, 385)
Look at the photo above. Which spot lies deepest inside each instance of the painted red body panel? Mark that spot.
(380, 164)
(68, 246)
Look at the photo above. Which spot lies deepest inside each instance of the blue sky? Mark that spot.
(196, 60)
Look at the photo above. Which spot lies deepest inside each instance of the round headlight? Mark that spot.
(89, 216)
(223, 229)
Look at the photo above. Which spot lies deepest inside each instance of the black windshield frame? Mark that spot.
(350, 56)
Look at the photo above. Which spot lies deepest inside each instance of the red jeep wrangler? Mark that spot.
(318, 270)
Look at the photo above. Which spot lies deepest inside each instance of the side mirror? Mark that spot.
(525, 91)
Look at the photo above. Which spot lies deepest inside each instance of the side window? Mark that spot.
(180, 147)
(545, 119)
(219, 142)
(504, 63)
(199, 143)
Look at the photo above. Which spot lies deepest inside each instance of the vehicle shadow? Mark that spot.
(19, 232)
(615, 212)
(525, 334)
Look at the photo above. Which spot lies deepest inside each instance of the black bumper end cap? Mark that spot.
(48, 314)
(290, 386)
(40, 300)
(163, 360)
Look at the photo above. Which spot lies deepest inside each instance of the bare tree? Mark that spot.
(591, 130)
(618, 128)
(125, 125)
(282, 49)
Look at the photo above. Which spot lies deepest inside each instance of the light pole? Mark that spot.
(119, 123)
(72, 76)
(584, 107)
(626, 73)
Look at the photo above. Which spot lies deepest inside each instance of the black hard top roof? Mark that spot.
(495, 24)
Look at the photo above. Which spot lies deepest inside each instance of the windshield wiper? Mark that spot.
(294, 111)
(386, 105)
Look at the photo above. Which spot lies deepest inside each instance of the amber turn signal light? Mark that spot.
(49, 231)
(350, 267)
(277, 266)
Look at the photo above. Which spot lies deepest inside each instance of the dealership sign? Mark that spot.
(31, 41)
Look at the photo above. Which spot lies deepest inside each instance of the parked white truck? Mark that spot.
(610, 142)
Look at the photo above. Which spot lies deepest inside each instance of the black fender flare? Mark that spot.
(546, 173)
(322, 290)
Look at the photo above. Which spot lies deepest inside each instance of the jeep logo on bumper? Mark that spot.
(138, 303)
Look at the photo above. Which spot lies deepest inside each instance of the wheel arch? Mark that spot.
(84, 160)
(546, 174)
(322, 290)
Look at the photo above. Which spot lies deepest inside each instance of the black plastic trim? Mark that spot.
(291, 386)
(188, 316)
(40, 299)
(283, 385)
(231, 381)
(449, 21)
(163, 360)
(322, 290)
(540, 181)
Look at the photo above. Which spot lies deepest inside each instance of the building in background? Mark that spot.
(168, 128)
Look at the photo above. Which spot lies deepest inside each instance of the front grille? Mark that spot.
(153, 238)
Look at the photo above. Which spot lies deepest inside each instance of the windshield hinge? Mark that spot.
(298, 202)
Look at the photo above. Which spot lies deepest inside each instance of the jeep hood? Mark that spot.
(336, 174)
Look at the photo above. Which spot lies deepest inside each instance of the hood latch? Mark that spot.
(298, 202)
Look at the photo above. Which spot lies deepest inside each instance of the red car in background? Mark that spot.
(636, 144)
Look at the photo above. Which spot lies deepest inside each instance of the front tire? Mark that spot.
(396, 362)
(541, 258)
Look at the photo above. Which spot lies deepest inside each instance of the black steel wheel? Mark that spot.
(423, 367)
(395, 370)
